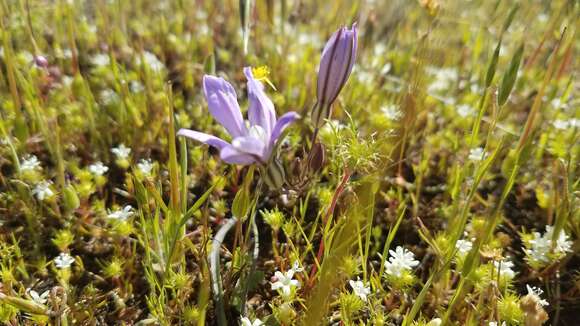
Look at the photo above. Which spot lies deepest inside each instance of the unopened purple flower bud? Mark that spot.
(336, 65)
(40, 61)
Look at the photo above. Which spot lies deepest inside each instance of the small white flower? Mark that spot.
(494, 323)
(285, 281)
(200, 14)
(504, 268)
(435, 322)
(386, 69)
(360, 289)
(64, 260)
(296, 267)
(108, 96)
(477, 154)
(563, 245)
(42, 190)
(561, 124)
(67, 80)
(444, 79)
(145, 166)
(29, 163)
(38, 298)
(463, 246)
(475, 89)
(121, 214)
(464, 110)
(247, 322)
(100, 59)
(365, 76)
(540, 248)
(392, 112)
(401, 259)
(121, 152)
(136, 87)
(98, 168)
(535, 293)
(557, 103)
(152, 61)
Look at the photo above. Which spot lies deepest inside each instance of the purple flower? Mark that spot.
(336, 64)
(249, 145)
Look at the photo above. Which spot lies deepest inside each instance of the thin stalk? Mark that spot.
(325, 219)
(214, 265)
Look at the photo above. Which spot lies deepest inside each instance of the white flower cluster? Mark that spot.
(401, 259)
(539, 249)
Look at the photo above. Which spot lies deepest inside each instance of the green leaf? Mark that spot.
(491, 68)
(509, 78)
(510, 18)
(209, 65)
(245, 6)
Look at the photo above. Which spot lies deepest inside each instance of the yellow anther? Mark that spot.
(261, 73)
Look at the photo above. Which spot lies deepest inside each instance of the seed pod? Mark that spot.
(316, 158)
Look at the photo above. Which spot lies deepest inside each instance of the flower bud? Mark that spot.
(336, 64)
(40, 61)
(71, 199)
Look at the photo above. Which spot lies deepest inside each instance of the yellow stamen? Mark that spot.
(261, 73)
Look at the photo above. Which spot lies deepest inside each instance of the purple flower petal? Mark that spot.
(251, 145)
(281, 124)
(231, 155)
(223, 104)
(204, 138)
(261, 111)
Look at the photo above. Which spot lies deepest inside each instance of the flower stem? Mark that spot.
(325, 219)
